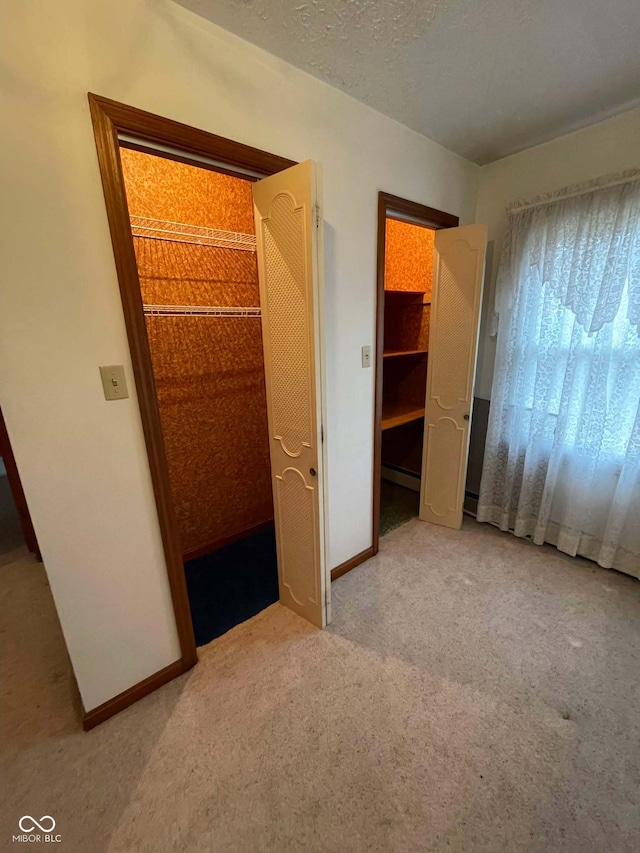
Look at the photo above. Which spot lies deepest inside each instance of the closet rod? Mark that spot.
(202, 310)
(180, 232)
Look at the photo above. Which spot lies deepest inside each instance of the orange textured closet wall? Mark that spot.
(209, 371)
(408, 256)
(408, 269)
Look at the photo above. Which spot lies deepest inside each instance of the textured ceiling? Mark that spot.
(484, 78)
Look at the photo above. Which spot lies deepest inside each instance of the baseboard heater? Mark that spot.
(471, 504)
(401, 476)
(411, 480)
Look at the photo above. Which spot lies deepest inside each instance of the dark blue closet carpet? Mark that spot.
(232, 584)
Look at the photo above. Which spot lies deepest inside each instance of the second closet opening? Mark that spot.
(408, 271)
(405, 290)
(194, 236)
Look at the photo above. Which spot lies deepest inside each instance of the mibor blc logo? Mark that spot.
(40, 830)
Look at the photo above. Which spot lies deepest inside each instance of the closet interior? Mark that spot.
(195, 245)
(408, 271)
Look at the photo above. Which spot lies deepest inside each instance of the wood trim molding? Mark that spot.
(109, 119)
(227, 540)
(392, 206)
(401, 208)
(106, 134)
(98, 715)
(345, 567)
(165, 131)
(377, 409)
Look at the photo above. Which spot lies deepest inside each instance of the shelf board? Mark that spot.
(397, 413)
(414, 294)
(399, 353)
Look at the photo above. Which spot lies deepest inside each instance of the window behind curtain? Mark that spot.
(562, 462)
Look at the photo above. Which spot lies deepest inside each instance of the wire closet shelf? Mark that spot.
(199, 235)
(202, 310)
(179, 232)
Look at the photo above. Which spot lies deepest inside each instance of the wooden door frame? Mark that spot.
(392, 206)
(110, 118)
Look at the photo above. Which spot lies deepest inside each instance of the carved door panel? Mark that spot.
(288, 239)
(453, 341)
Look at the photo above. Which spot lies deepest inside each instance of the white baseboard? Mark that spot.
(409, 481)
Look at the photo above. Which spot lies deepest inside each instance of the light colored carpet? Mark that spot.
(474, 693)
(397, 506)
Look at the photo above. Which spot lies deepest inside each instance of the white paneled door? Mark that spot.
(288, 230)
(453, 341)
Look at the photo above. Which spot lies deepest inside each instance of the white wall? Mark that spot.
(609, 147)
(82, 460)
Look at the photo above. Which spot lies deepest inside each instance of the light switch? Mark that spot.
(366, 356)
(114, 382)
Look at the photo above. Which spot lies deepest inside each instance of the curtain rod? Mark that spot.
(574, 192)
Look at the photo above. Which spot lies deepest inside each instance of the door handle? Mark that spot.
(313, 472)
(466, 417)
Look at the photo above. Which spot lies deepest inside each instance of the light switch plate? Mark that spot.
(114, 382)
(366, 356)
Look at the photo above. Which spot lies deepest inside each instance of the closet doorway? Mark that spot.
(430, 277)
(194, 237)
(218, 249)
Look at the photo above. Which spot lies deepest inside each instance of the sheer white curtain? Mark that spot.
(562, 460)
